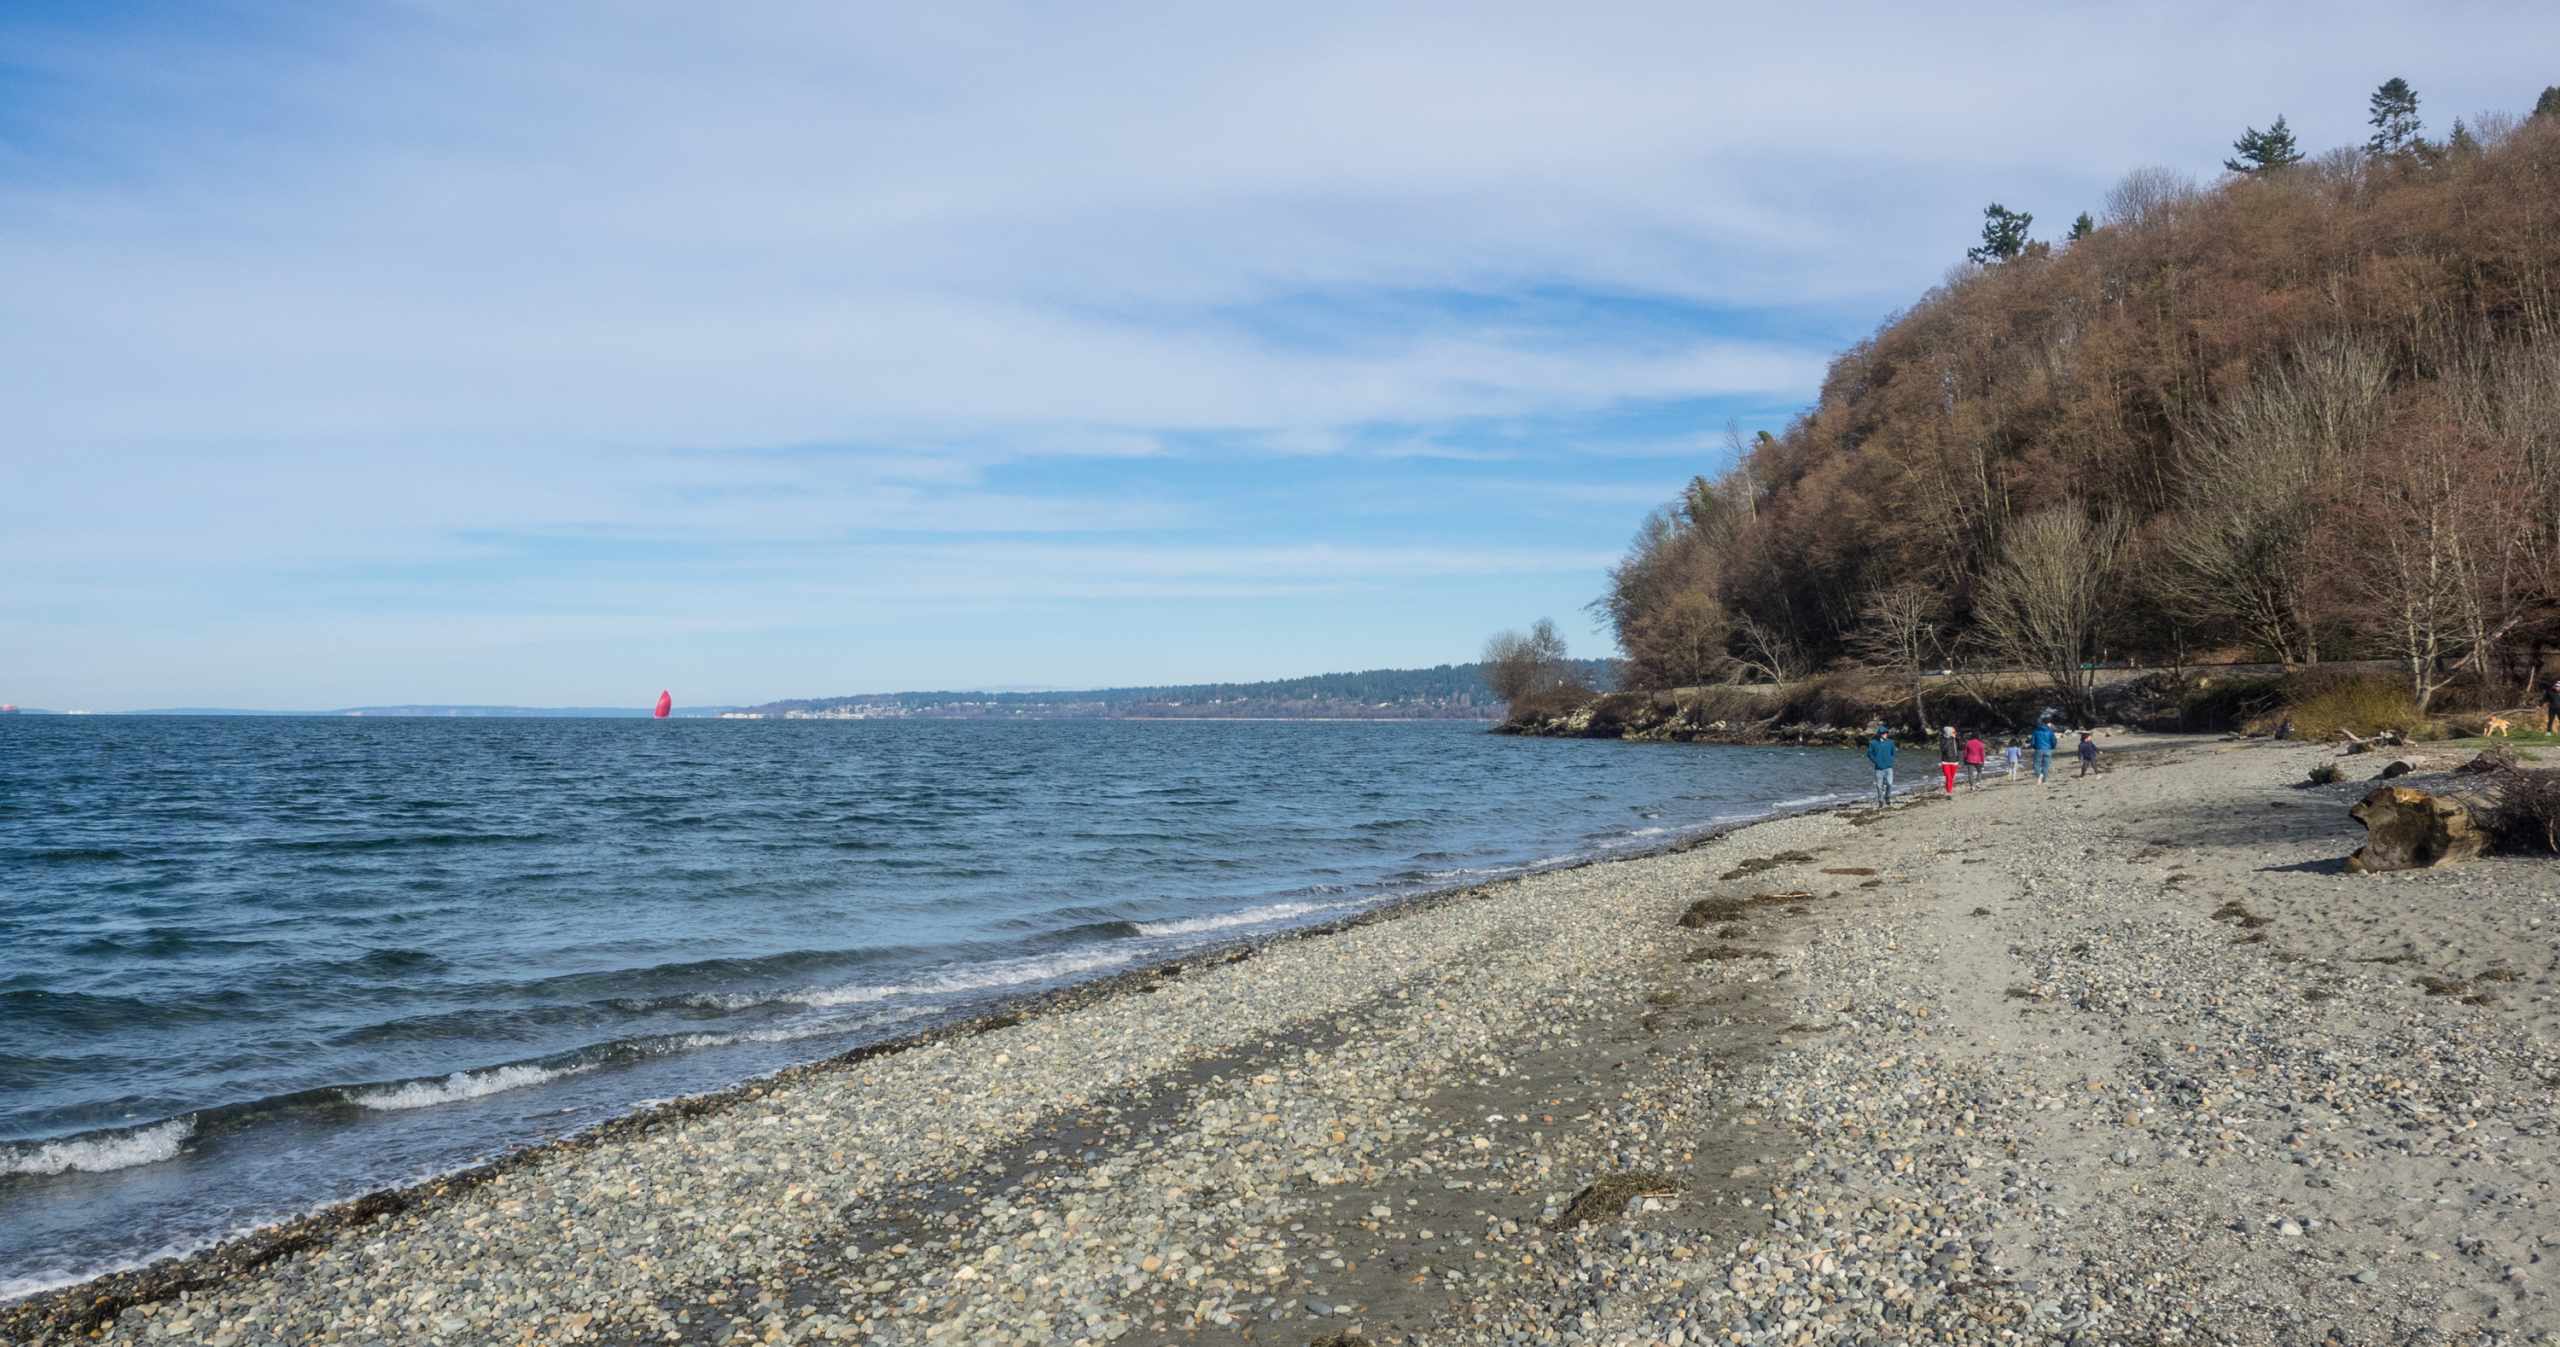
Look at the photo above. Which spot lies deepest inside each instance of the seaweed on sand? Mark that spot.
(2235, 910)
(1709, 911)
(1724, 954)
(1609, 1195)
(1756, 864)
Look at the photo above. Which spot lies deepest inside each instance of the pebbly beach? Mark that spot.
(2129, 1058)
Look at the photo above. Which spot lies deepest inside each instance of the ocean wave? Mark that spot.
(1254, 916)
(459, 1086)
(791, 1033)
(983, 977)
(98, 1152)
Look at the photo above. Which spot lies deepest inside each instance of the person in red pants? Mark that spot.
(1950, 753)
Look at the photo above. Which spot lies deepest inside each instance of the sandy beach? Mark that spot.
(2128, 1059)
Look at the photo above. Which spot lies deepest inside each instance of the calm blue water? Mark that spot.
(248, 966)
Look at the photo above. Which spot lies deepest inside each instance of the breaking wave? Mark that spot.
(459, 1086)
(98, 1152)
(1254, 916)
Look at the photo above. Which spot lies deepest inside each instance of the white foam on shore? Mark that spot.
(98, 1153)
(18, 1288)
(792, 1033)
(1255, 916)
(1008, 973)
(459, 1086)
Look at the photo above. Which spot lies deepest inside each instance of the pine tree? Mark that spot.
(2395, 119)
(2082, 227)
(2459, 143)
(2265, 151)
(2549, 104)
(2004, 234)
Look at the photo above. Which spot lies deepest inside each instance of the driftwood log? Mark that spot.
(2411, 830)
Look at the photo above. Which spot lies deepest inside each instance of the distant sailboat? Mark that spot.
(665, 704)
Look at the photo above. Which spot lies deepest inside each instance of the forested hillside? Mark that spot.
(2308, 411)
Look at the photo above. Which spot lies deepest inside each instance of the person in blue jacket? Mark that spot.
(2044, 740)
(1880, 755)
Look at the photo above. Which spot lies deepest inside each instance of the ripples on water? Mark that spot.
(252, 965)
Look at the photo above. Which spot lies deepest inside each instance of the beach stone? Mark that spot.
(2411, 830)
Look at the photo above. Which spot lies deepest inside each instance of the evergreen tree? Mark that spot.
(2264, 151)
(2395, 119)
(2004, 234)
(2460, 143)
(2549, 104)
(2082, 227)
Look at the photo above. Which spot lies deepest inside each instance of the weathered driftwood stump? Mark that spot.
(2411, 830)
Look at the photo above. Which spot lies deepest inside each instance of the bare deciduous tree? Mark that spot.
(2041, 605)
(1765, 652)
(2504, 404)
(1519, 664)
(2146, 196)
(1681, 641)
(2253, 472)
(1902, 630)
(2399, 551)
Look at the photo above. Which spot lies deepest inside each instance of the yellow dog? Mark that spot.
(2497, 725)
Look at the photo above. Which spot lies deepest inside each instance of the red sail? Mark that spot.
(665, 704)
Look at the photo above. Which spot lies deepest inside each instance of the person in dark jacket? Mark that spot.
(1950, 754)
(1880, 756)
(2088, 753)
(2551, 708)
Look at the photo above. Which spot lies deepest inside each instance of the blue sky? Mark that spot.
(551, 354)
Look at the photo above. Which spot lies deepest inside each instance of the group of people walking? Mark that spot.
(1969, 756)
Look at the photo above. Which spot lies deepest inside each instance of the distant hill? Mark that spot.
(439, 710)
(1442, 692)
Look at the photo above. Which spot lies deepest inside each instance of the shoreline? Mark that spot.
(92, 1302)
(2128, 1059)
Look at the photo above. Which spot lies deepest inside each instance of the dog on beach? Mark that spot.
(2497, 725)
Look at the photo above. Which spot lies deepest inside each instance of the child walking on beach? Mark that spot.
(2088, 753)
(1949, 754)
(1975, 752)
(2011, 753)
